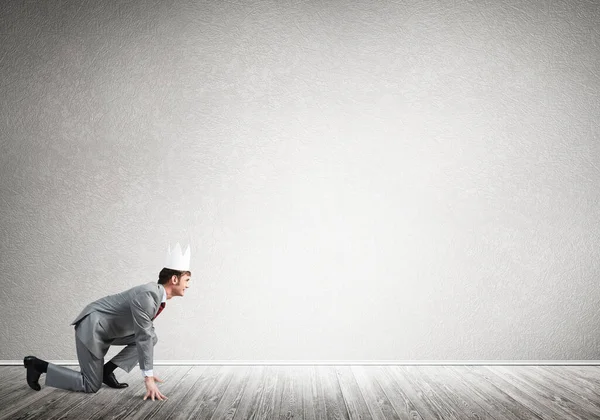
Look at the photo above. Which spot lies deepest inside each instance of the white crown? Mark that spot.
(176, 260)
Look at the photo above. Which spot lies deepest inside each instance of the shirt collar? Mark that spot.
(164, 297)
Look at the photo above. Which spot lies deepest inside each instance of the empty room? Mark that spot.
(271, 209)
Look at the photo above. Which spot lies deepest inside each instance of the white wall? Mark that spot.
(413, 180)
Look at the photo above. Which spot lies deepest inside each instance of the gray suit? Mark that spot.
(121, 319)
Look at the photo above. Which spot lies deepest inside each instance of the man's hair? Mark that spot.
(166, 273)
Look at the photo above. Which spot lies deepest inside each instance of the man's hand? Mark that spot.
(152, 390)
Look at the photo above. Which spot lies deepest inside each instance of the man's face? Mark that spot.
(179, 285)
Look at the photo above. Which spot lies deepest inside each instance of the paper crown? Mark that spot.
(176, 260)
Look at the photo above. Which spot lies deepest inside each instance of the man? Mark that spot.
(122, 319)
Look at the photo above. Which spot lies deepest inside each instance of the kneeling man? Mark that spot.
(124, 319)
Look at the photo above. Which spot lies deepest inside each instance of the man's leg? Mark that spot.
(127, 358)
(88, 380)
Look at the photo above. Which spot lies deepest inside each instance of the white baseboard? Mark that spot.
(342, 362)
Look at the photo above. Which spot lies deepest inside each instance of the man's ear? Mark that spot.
(174, 279)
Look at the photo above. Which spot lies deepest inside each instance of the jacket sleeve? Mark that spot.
(143, 307)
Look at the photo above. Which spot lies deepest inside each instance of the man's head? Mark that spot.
(175, 282)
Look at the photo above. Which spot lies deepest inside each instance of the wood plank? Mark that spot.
(523, 394)
(176, 389)
(561, 389)
(26, 405)
(455, 395)
(570, 382)
(470, 394)
(591, 373)
(402, 404)
(335, 406)
(197, 393)
(308, 401)
(252, 393)
(318, 397)
(12, 378)
(522, 376)
(507, 387)
(11, 371)
(432, 392)
(279, 388)
(265, 408)
(259, 403)
(24, 399)
(205, 405)
(379, 406)
(40, 409)
(587, 375)
(426, 408)
(352, 394)
(291, 396)
(233, 394)
(493, 394)
(309, 392)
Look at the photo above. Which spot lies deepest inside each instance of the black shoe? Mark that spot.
(111, 381)
(33, 375)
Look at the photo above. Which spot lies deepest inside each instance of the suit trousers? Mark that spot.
(89, 379)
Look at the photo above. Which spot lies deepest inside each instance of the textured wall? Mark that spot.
(414, 180)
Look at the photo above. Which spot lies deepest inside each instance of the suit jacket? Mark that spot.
(117, 316)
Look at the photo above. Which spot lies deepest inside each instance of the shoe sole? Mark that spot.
(28, 363)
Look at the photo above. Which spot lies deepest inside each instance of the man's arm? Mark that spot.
(142, 307)
(150, 372)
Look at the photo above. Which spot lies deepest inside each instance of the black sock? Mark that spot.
(40, 365)
(109, 368)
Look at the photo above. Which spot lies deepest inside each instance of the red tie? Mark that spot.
(162, 306)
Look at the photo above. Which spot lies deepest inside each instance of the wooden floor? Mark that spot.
(322, 392)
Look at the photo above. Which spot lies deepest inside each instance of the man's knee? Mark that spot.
(92, 388)
(92, 384)
(154, 339)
